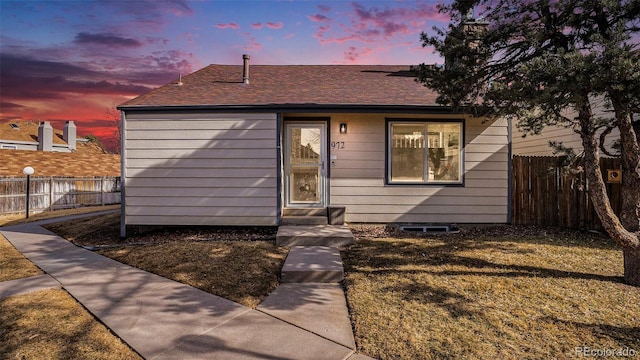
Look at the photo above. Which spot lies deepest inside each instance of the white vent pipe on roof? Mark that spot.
(245, 68)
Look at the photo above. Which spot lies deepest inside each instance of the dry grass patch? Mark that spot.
(244, 272)
(90, 231)
(13, 265)
(15, 219)
(492, 293)
(241, 264)
(49, 324)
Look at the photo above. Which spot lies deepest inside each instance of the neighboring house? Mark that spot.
(221, 147)
(27, 135)
(52, 152)
(538, 144)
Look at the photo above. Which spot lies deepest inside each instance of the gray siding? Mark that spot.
(358, 173)
(538, 145)
(201, 169)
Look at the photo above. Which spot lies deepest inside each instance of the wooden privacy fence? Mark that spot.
(54, 193)
(545, 194)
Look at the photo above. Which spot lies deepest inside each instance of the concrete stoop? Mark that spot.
(304, 220)
(314, 235)
(312, 264)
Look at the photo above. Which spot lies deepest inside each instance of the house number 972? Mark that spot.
(337, 145)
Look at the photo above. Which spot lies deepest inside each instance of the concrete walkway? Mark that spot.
(164, 319)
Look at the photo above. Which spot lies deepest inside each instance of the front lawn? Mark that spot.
(13, 265)
(500, 292)
(241, 264)
(504, 293)
(244, 272)
(50, 324)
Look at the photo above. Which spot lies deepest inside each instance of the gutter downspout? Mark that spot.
(279, 167)
(123, 163)
(510, 172)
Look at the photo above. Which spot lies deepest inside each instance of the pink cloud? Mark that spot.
(391, 20)
(318, 18)
(257, 26)
(106, 39)
(371, 24)
(148, 14)
(188, 36)
(326, 24)
(228, 26)
(340, 40)
(272, 25)
(252, 44)
(352, 55)
(324, 8)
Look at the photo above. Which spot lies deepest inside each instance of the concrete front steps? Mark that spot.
(314, 256)
(312, 264)
(314, 235)
(310, 295)
(304, 216)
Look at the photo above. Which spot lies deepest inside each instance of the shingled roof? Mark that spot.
(59, 163)
(291, 85)
(26, 131)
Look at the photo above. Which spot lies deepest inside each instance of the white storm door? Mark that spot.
(305, 173)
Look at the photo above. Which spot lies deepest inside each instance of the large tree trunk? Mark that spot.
(598, 194)
(632, 266)
(630, 156)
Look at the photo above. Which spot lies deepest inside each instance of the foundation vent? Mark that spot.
(431, 228)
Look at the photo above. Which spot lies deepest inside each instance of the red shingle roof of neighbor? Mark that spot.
(48, 163)
(287, 85)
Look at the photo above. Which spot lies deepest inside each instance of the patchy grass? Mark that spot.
(13, 265)
(244, 272)
(90, 231)
(504, 292)
(6, 220)
(241, 264)
(49, 324)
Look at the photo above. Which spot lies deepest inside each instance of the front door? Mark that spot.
(304, 164)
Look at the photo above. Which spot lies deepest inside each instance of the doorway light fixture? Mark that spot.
(343, 128)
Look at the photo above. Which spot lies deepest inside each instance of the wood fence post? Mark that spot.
(51, 193)
(102, 191)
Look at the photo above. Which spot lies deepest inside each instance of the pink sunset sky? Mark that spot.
(77, 60)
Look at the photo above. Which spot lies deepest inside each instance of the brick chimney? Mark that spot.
(45, 136)
(469, 33)
(69, 134)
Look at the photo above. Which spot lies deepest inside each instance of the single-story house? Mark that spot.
(233, 145)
